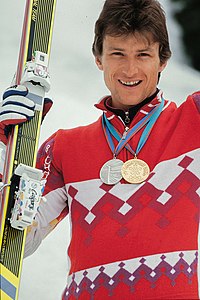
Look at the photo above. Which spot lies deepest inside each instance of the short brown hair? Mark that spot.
(123, 17)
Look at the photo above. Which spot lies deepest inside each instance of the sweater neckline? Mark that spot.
(128, 115)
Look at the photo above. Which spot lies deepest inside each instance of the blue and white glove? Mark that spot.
(16, 108)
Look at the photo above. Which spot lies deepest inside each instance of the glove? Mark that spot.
(16, 108)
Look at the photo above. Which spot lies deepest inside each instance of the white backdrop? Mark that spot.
(76, 86)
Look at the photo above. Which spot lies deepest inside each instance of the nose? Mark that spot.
(130, 67)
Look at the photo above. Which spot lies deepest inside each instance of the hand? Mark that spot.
(16, 108)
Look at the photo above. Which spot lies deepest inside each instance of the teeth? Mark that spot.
(130, 83)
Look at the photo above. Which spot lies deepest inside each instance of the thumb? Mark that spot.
(47, 106)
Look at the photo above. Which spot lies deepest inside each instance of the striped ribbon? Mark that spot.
(149, 120)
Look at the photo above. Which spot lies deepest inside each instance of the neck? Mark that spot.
(128, 114)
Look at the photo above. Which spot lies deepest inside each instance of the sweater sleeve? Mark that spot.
(196, 98)
(53, 208)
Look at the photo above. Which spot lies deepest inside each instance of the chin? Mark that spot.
(132, 102)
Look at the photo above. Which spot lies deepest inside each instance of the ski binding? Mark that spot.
(27, 197)
(36, 70)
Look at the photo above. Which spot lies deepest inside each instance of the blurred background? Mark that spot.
(76, 86)
(187, 13)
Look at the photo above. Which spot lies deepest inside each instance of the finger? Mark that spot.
(20, 101)
(20, 90)
(29, 113)
(12, 119)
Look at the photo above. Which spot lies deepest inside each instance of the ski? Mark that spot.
(22, 146)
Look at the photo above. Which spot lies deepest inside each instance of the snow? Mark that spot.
(76, 86)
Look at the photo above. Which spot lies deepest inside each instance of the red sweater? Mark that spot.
(128, 241)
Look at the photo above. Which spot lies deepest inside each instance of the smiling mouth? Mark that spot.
(130, 83)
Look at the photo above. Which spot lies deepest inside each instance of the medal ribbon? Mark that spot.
(123, 140)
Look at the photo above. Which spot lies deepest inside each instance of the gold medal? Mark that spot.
(135, 170)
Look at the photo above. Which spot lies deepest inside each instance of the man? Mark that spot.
(130, 181)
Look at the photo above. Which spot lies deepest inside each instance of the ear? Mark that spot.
(162, 66)
(99, 62)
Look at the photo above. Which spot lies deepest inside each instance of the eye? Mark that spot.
(117, 53)
(143, 54)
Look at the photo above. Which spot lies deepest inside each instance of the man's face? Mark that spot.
(130, 65)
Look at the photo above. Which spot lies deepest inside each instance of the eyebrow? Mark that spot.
(122, 49)
(116, 49)
(146, 49)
